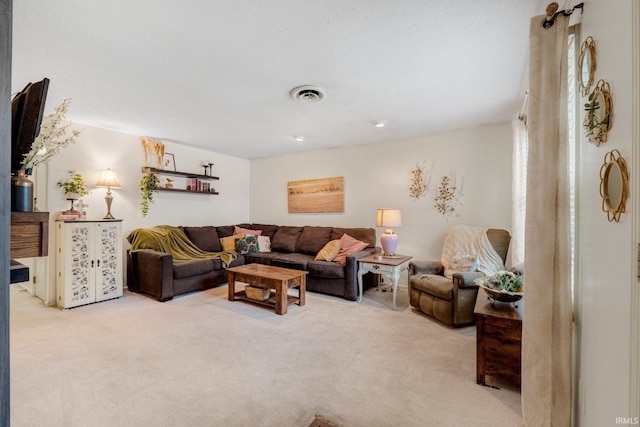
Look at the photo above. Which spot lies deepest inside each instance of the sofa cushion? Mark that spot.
(295, 261)
(184, 269)
(247, 245)
(225, 231)
(329, 251)
(259, 258)
(285, 239)
(325, 269)
(267, 229)
(367, 235)
(206, 238)
(437, 286)
(313, 239)
(348, 245)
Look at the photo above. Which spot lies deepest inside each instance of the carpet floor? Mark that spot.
(200, 360)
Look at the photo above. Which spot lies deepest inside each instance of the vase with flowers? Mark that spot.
(505, 286)
(51, 138)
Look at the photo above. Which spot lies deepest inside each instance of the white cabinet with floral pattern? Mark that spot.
(88, 261)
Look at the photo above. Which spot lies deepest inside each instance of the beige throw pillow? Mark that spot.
(329, 251)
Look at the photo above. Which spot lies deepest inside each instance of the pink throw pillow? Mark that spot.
(348, 245)
(246, 231)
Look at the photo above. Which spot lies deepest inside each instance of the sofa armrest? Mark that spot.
(153, 273)
(425, 267)
(466, 279)
(351, 272)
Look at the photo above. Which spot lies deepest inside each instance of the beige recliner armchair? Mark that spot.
(451, 300)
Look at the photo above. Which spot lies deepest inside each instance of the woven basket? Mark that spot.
(257, 294)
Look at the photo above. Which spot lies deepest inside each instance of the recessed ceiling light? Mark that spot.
(379, 123)
(298, 138)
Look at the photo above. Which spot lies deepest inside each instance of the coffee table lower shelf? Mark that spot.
(269, 302)
(279, 280)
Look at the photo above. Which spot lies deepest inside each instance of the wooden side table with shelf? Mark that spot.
(189, 175)
(498, 339)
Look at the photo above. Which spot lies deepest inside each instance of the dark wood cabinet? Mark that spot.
(498, 339)
(29, 234)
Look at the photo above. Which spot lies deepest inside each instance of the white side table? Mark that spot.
(388, 266)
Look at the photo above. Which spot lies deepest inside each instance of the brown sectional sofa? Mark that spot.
(157, 274)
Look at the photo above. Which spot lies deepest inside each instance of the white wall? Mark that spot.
(378, 176)
(98, 149)
(606, 257)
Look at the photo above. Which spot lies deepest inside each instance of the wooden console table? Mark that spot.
(498, 339)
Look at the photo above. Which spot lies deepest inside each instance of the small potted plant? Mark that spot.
(73, 187)
(149, 184)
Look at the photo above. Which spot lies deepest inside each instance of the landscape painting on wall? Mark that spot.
(316, 195)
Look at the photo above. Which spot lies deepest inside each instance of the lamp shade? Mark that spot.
(388, 218)
(108, 178)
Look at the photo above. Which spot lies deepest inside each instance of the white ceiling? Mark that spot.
(216, 74)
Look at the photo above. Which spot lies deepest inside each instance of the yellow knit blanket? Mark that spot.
(172, 240)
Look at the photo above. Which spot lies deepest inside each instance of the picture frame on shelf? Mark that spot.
(169, 162)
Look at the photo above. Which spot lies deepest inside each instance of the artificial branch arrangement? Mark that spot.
(52, 137)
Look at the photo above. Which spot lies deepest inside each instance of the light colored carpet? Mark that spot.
(201, 360)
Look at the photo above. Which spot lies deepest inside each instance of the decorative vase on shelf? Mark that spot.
(21, 192)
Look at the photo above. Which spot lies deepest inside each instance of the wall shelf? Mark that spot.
(146, 169)
(188, 175)
(182, 190)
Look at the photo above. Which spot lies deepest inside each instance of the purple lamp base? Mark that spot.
(389, 242)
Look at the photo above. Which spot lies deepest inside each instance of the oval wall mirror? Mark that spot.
(587, 65)
(614, 185)
(599, 118)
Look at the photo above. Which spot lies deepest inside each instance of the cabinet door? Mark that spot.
(77, 272)
(108, 256)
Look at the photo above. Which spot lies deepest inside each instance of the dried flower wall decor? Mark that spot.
(420, 181)
(447, 199)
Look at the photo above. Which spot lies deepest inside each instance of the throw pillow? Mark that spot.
(329, 251)
(229, 243)
(239, 230)
(463, 261)
(247, 245)
(348, 245)
(264, 244)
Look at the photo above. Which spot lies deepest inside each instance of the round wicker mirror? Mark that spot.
(587, 65)
(599, 118)
(614, 185)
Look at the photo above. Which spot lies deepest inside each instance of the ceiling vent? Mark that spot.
(308, 94)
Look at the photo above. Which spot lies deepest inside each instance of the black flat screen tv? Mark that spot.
(27, 108)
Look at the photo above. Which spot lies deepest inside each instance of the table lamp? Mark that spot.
(108, 178)
(389, 218)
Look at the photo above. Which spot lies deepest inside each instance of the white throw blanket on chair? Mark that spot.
(461, 241)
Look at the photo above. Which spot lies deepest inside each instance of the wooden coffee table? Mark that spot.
(269, 277)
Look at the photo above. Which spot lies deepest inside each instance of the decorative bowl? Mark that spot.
(503, 296)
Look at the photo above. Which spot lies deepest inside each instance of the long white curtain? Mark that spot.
(546, 341)
(518, 190)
